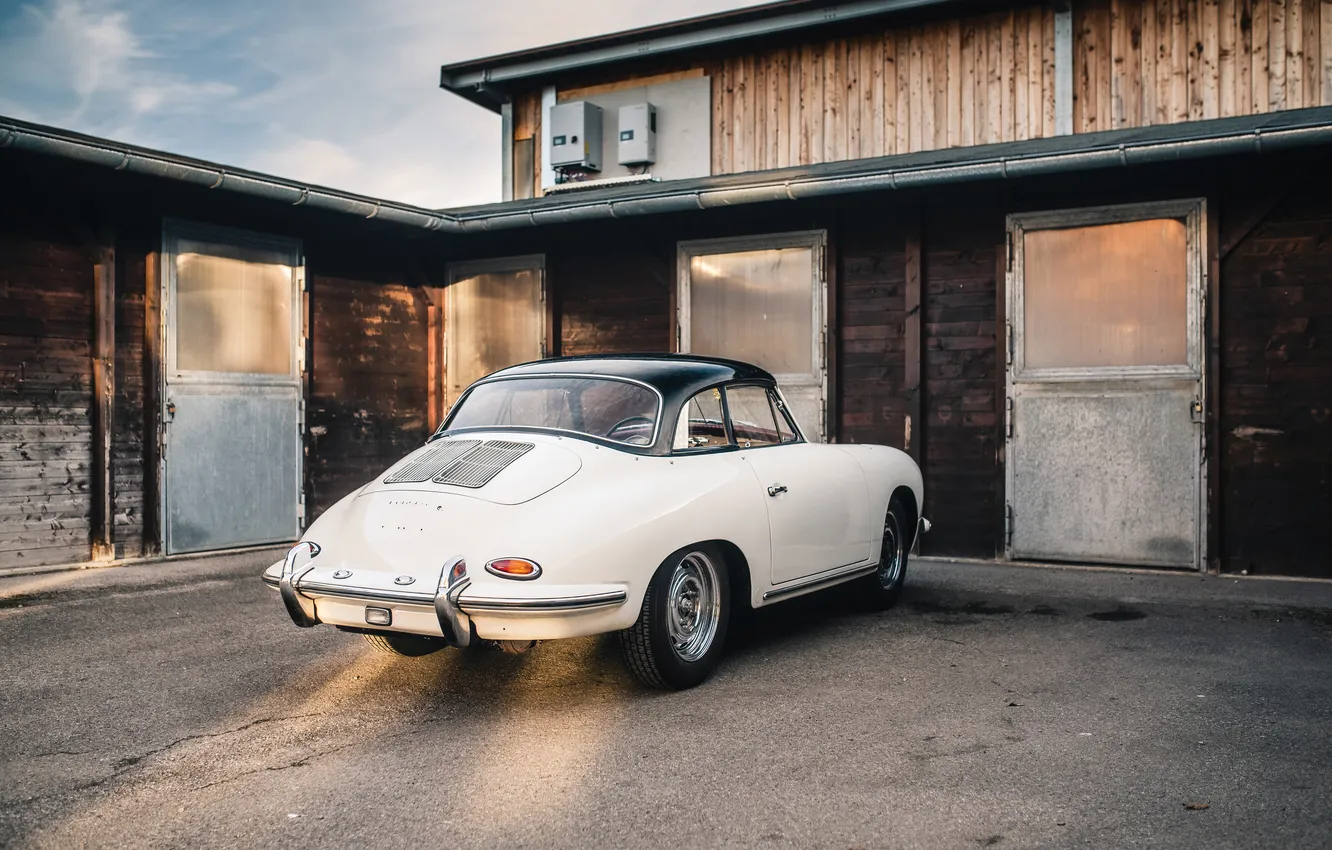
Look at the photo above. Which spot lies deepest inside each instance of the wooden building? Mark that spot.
(1076, 259)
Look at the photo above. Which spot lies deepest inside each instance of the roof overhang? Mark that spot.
(488, 81)
(1245, 136)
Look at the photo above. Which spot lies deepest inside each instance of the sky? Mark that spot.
(337, 92)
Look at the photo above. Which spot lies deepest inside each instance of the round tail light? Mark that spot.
(517, 568)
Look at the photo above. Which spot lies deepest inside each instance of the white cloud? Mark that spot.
(338, 92)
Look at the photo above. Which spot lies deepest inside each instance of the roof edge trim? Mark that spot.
(473, 79)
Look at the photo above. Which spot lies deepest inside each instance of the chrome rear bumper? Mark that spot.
(451, 610)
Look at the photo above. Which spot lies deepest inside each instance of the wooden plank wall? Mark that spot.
(46, 286)
(871, 407)
(963, 82)
(127, 438)
(990, 78)
(1146, 62)
(1276, 392)
(368, 388)
(612, 300)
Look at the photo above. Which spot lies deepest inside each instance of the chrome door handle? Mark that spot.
(776, 488)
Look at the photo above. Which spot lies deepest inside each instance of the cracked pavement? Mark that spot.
(174, 704)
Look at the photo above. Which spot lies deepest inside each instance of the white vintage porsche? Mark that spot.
(644, 495)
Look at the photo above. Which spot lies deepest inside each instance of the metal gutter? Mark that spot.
(1251, 141)
(470, 79)
(793, 184)
(18, 135)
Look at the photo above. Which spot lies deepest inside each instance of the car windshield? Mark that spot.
(607, 408)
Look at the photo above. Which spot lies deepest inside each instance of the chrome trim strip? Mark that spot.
(349, 592)
(271, 582)
(555, 603)
(819, 581)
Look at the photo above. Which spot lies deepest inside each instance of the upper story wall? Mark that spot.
(989, 78)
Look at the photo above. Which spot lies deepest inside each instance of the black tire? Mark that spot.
(650, 645)
(405, 645)
(883, 587)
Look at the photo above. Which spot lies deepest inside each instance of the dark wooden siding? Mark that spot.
(45, 395)
(870, 407)
(368, 388)
(959, 372)
(127, 438)
(613, 301)
(1276, 400)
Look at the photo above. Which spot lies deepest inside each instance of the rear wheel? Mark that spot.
(884, 585)
(681, 627)
(408, 646)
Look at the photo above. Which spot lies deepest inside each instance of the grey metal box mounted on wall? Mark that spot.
(638, 134)
(575, 136)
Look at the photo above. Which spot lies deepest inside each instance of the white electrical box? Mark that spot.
(575, 136)
(638, 134)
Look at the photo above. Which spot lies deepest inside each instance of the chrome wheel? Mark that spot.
(693, 606)
(893, 553)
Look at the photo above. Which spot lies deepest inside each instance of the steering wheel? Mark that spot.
(647, 420)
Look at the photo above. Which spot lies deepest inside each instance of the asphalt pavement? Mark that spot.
(174, 704)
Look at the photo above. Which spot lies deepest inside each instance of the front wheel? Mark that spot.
(678, 637)
(884, 585)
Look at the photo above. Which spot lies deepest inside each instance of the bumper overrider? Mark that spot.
(302, 590)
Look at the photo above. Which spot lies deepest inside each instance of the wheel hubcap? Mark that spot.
(693, 606)
(892, 553)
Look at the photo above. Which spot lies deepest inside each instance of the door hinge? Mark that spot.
(300, 510)
(301, 415)
(300, 279)
(1008, 251)
(1008, 417)
(1008, 343)
(1008, 526)
(678, 337)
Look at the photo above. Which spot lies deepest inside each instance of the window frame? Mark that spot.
(728, 446)
(1190, 211)
(175, 233)
(813, 240)
(465, 269)
(771, 393)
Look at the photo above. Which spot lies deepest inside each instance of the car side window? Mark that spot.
(784, 428)
(701, 424)
(752, 418)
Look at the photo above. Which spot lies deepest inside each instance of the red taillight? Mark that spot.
(519, 568)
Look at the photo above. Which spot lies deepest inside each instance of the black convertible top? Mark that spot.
(676, 376)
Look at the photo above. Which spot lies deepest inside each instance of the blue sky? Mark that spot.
(338, 92)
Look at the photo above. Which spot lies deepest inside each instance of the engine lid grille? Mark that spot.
(477, 467)
(432, 462)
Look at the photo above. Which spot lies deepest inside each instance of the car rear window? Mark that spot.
(610, 409)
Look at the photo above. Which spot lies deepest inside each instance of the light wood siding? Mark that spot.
(1144, 62)
(991, 78)
(959, 82)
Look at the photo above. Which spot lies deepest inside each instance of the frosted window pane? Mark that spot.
(1107, 295)
(232, 315)
(496, 323)
(755, 306)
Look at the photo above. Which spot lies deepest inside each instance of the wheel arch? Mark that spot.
(907, 497)
(737, 571)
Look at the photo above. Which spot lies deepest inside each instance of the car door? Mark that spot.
(817, 498)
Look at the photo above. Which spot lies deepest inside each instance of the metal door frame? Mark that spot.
(462, 270)
(817, 242)
(1193, 211)
(174, 231)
